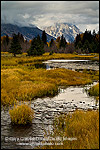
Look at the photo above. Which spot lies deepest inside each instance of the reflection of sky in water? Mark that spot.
(62, 60)
(71, 64)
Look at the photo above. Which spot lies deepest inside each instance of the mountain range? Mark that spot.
(27, 32)
(69, 31)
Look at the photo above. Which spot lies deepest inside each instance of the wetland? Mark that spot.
(50, 92)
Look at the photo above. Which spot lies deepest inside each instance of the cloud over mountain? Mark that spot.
(45, 13)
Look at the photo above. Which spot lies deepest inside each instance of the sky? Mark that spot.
(83, 14)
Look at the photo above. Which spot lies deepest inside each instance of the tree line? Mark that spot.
(86, 42)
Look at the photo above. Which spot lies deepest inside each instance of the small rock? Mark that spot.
(68, 106)
(57, 108)
(61, 106)
(74, 105)
(94, 108)
(65, 103)
(48, 117)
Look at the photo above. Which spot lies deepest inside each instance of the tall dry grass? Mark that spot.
(82, 127)
(20, 80)
(21, 115)
(21, 84)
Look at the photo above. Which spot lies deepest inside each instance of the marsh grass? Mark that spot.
(84, 126)
(25, 84)
(21, 115)
(21, 59)
(20, 80)
(94, 91)
(94, 74)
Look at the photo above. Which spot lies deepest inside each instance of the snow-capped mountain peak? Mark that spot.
(68, 30)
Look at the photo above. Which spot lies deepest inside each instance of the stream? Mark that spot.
(28, 137)
(72, 64)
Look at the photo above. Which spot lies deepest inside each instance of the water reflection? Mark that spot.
(72, 64)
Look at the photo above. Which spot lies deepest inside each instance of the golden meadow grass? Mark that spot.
(20, 59)
(84, 126)
(94, 74)
(20, 82)
(21, 114)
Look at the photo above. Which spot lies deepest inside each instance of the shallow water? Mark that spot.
(72, 64)
(68, 60)
(68, 100)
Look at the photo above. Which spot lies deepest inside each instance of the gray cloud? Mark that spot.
(46, 13)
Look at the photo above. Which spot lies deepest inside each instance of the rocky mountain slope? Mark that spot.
(69, 31)
(27, 32)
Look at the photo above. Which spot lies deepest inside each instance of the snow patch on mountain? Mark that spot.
(68, 30)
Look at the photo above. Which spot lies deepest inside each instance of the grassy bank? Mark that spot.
(20, 84)
(94, 91)
(21, 81)
(82, 127)
(7, 60)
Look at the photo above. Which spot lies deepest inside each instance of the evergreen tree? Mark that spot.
(86, 46)
(15, 47)
(36, 48)
(94, 34)
(4, 43)
(87, 36)
(63, 42)
(51, 42)
(79, 44)
(44, 37)
(87, 42)
(78, 38)
(20, 37)
(7, 39)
